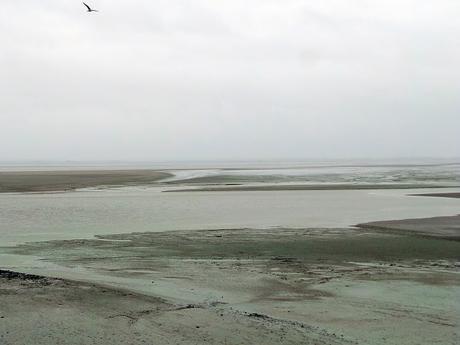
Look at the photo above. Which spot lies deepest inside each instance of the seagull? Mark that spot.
(89, 8)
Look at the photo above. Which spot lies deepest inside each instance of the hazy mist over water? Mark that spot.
(227, 164)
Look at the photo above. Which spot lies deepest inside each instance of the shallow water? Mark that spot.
(82, 214)
(437, 174)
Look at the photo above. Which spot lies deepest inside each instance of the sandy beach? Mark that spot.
(240, 286)
(39, 310)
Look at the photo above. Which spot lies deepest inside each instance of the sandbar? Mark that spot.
(58, 181)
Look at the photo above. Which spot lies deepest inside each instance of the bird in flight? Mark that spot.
(89, 8)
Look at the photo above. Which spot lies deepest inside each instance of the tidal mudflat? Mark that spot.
(278, 286)
(67, 180)
(136, 265)
(441, 195)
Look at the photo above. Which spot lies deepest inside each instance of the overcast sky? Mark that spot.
(234, 79)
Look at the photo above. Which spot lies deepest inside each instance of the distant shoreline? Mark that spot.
(61, 181)
(300, 187)
(70, 180)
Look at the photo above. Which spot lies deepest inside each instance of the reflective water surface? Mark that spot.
(82, 214)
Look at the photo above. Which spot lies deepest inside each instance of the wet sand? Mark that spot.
(240, 286)
(440, 227)
(299, 187)
(60, 181)
(57, 181)
(42, 311)
(440, 195)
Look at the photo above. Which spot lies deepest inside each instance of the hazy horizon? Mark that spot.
(229, 81)
(224, 163)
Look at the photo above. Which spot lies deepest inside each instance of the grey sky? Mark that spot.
(239, 79)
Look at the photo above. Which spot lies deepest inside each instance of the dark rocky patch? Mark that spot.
(20, 276)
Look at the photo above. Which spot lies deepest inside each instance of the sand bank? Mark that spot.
(288, 187)
(440, 195)
(42, 311)
(55, 181)
(250, 286)
(440, 227)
